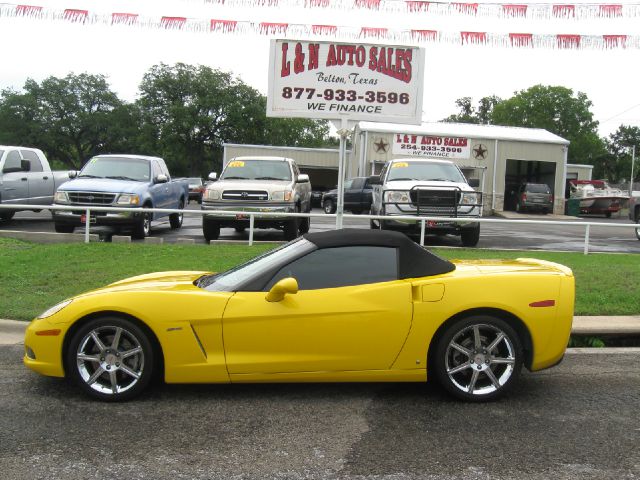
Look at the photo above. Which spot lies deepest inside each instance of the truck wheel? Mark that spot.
(291, 228)
(210, 229)
(638, 229)
(328, 206)
(143, 228)
(470, 236)
(240, 229)
(60, 228)
(305, 225)
(175, 219)
(6, 215)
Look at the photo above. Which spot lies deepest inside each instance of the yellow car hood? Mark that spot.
(178, 280)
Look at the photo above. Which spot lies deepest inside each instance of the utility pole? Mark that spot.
(633, 160)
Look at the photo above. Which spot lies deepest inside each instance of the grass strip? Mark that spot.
(35, 276)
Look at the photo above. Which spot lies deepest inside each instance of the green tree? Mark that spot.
(470, 114)
(616, 166)
(558, 110)
(189, 111)
(70, 118)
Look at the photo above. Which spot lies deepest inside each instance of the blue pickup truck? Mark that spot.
(120, 181)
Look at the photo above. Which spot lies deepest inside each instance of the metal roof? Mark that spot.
(469, 130)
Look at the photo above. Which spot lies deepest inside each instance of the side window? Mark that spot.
(341, 267)
(36, 164)
(296, 170)
(155, 169)
(12, 163)
(383, 173)
(357, 183)
(347, 184)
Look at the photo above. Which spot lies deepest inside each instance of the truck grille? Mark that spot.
(91, 198)
(245, 195)
(436, 202)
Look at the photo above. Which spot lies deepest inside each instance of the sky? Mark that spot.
(41, 48)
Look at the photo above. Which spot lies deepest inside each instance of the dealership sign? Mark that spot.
(431, 146)
(358, 80)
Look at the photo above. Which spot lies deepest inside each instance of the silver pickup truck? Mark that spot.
(257, 185)
(26, 179)
(426, 188)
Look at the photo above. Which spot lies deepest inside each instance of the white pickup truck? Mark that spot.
(257, 185)
(426, 188)
(26, 179)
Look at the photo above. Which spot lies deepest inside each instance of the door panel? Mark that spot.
(15, 186)
(336, 329)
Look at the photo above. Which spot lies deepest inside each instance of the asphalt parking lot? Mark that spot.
(511, 235)
(578, 420)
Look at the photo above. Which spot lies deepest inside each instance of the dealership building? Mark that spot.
(501, 158)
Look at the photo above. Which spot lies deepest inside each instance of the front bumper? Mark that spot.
(43, 348)
(469, 214)
(217, 212)
(77, 218)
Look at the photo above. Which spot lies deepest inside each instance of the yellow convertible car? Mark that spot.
(339, 306)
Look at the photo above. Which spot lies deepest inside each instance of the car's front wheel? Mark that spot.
(478, 358)
(110, 358)
(6, 215)
(62, 228)
(210, 229)
(142, 229)
(470, 236)
(329, 206)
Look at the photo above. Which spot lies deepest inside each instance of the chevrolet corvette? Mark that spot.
(339, 306)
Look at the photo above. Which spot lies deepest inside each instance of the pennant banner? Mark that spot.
(333, 32)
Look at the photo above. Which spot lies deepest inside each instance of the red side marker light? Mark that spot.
(543, 303)
(49, 333)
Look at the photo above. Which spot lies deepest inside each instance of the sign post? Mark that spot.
(345, 82)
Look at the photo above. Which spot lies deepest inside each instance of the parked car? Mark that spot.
(26, 179)
(196, 189)
(634, 213)
(258, 185)
(338, 306)
(133, 181)
(426, 187)
(357, 196)
(534, 196)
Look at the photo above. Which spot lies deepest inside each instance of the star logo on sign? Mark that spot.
(480, 151)
(381, 146)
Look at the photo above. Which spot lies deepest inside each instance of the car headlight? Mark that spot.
(469, 198)
(61, 197)
(128, 199)
(55, 309)
(395, 196)
(211, 194)
(282, 196)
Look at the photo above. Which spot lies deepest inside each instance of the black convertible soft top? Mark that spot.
(414, 261)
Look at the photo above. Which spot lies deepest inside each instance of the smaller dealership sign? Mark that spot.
(360, 81)
(431, 146)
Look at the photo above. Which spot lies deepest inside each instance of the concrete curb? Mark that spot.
(12, 331)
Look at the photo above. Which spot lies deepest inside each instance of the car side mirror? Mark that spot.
(285, 286)
(474, 182)
(213, 176)
(25, 165)
(72, 174)
(161, 178)
(303, 178)
(375, 180)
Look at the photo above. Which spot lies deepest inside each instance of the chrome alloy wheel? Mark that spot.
(480, 359)
(110, 360)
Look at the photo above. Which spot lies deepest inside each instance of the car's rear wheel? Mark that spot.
(61, 228)
(110, 358)
(470, 236)
(175, 219)
(478, 358)
(210, 229)
(329, 206)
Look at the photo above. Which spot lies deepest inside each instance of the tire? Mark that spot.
(143, 228)
(240, 229)
(465, 366)
(470, 236)
(175, 219)
(329, 206)
(291, 227)
(210, 229)
(607, 214)
(6, 215)
(61, 228)
(638, 229)
(305, 224)
(110, 359)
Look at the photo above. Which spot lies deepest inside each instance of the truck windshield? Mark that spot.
(117, 167)
(257, 170)
(233, 279)
(443, 172)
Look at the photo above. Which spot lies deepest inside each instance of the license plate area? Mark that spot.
(83, 219)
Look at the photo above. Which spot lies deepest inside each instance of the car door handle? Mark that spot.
(45, 178)
(24, 179)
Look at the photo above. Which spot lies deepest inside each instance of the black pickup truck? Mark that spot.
(357, 196)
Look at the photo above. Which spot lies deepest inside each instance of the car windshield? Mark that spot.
(231, 280)
(424, 171)
(118, 168)
(257, 170)
(537, 188)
